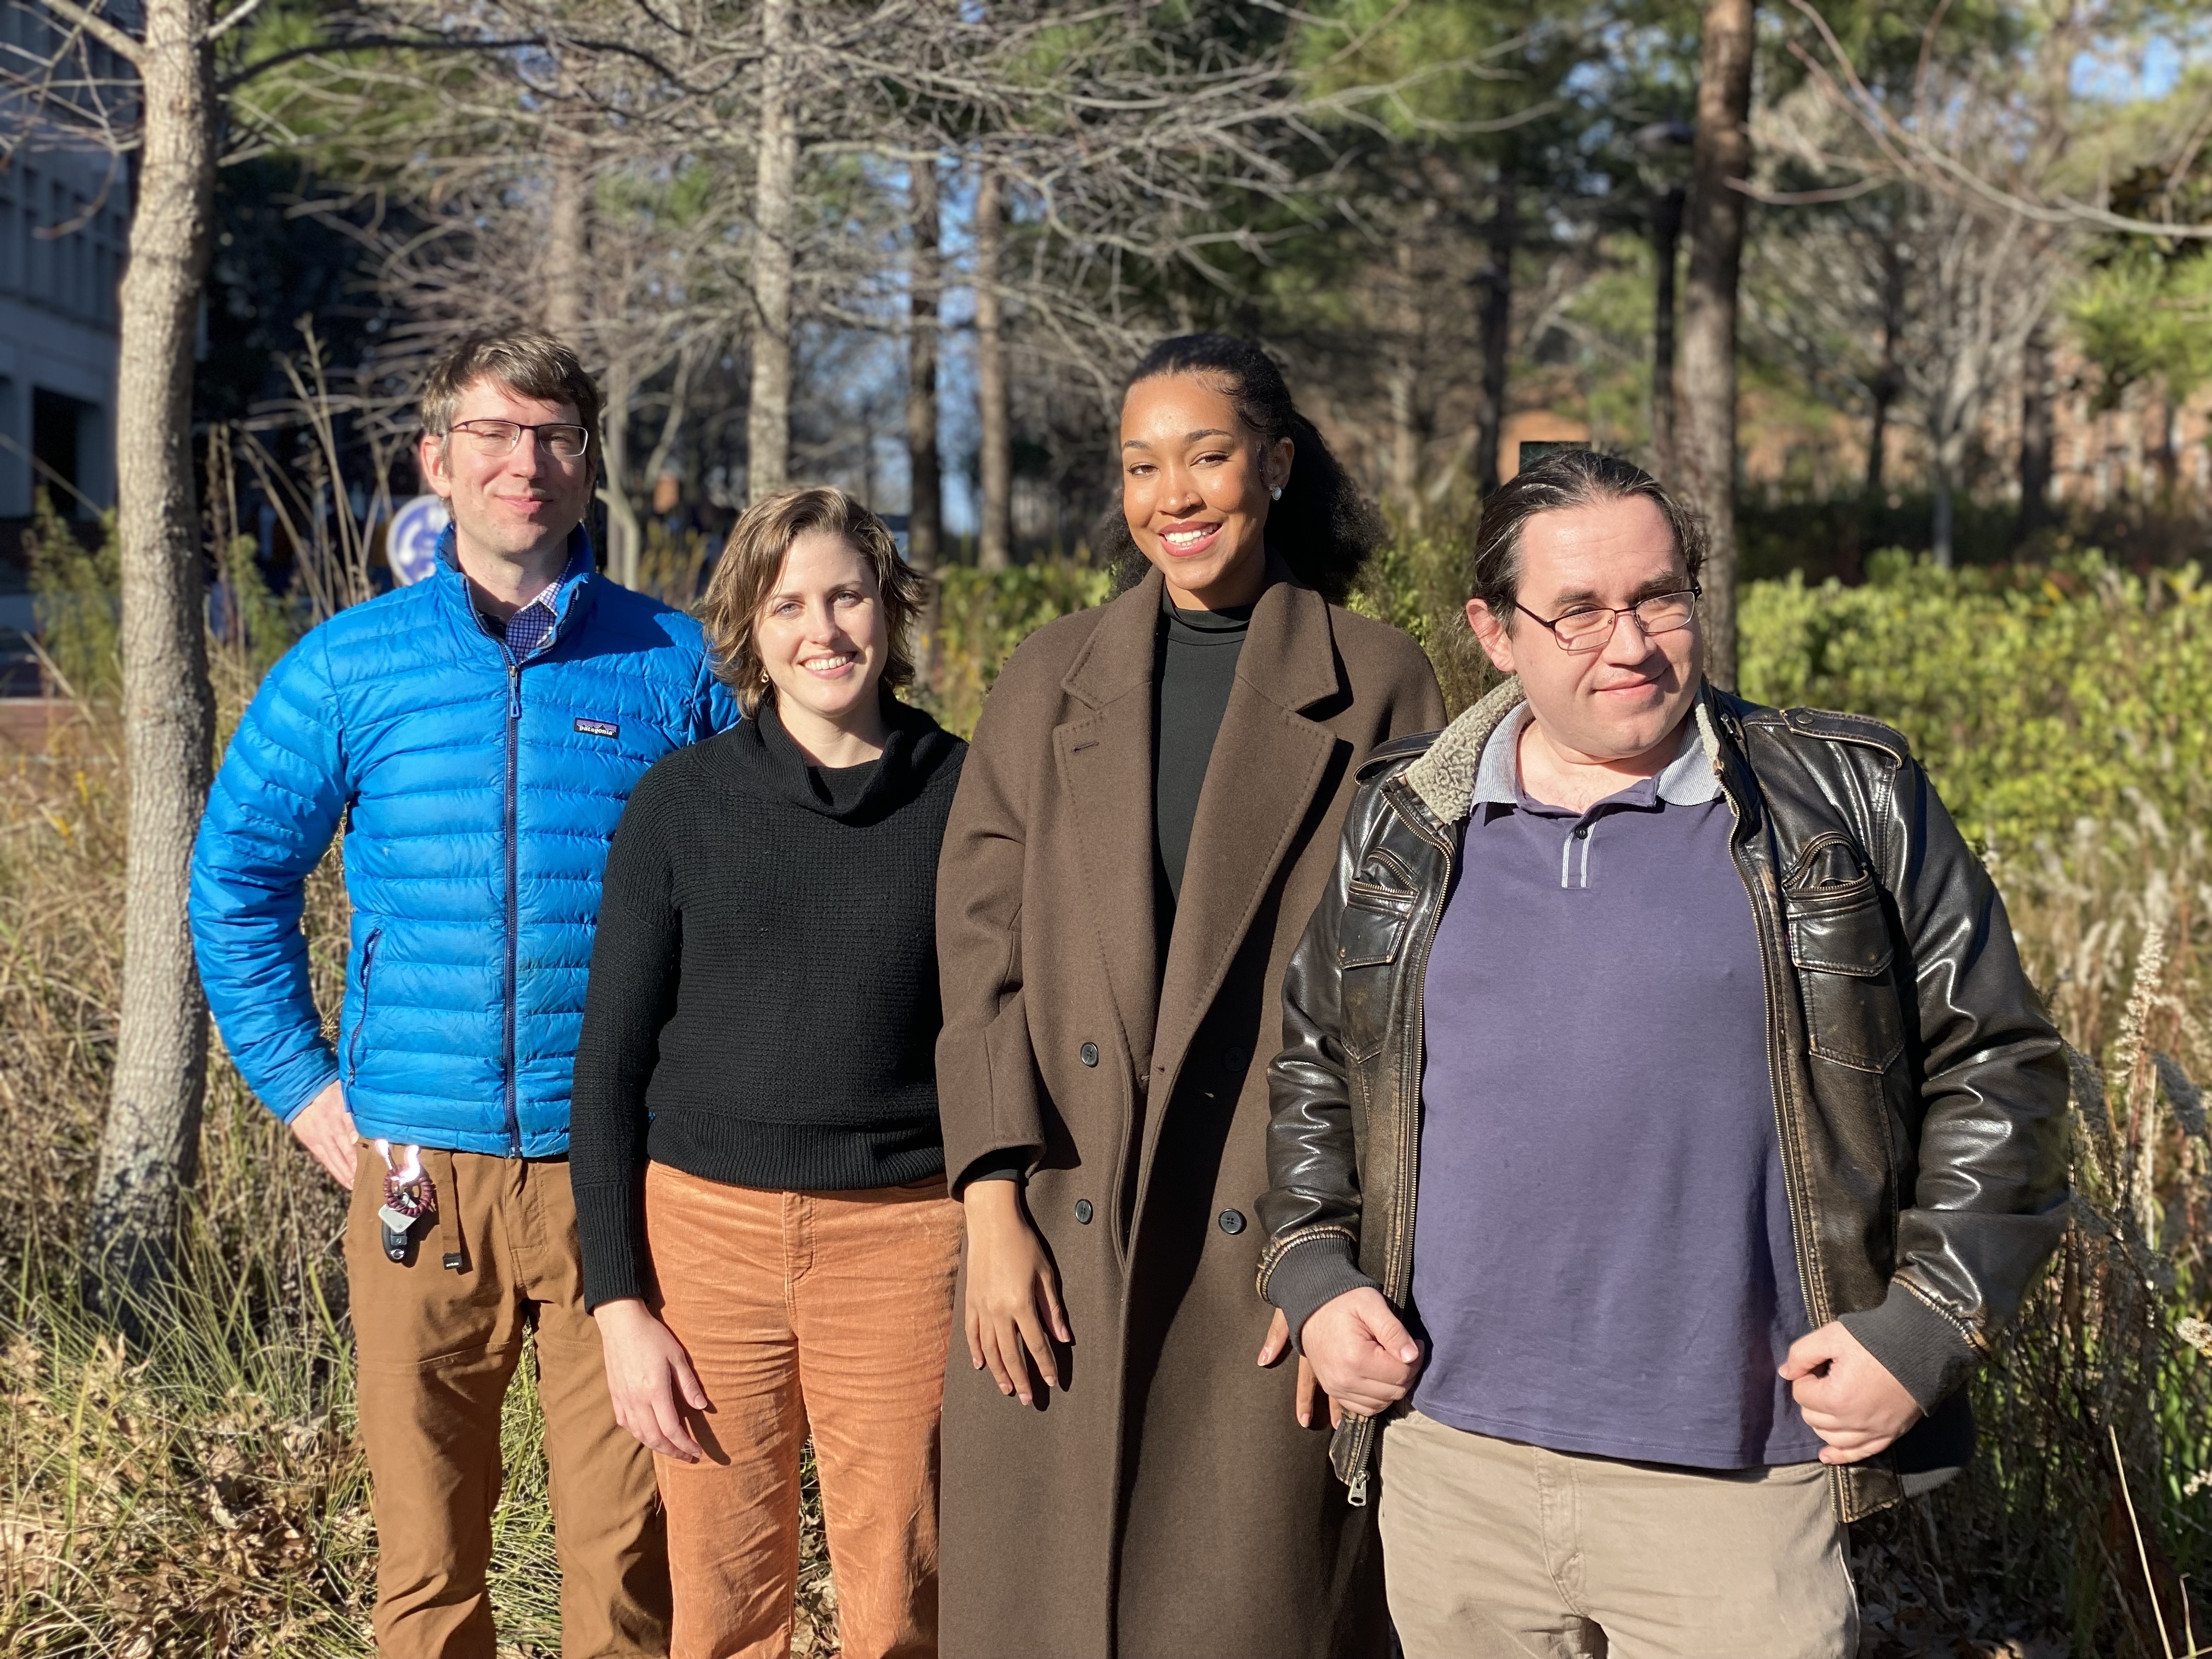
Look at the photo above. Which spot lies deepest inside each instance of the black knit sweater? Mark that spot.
(763, 1005)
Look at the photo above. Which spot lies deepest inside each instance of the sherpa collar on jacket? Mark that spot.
(1446, 774)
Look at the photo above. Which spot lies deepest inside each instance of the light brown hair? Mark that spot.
(746, 574)
(527, 362)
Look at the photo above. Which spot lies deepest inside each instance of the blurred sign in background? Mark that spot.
(411, 546)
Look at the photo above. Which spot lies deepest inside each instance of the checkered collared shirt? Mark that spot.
(524, 633)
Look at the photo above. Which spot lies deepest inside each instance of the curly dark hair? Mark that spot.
(1323, 528)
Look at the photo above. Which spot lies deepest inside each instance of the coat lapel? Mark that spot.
(1268, 760)
(1104, 758)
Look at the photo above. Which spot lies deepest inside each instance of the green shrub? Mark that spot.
(73, 590)
(982, 615)
(2035, 697)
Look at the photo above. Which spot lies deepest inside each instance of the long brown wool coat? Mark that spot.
(1167, 1503)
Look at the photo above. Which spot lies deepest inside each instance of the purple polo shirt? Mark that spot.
(1602, 1260)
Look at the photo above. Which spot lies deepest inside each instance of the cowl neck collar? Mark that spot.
(914, 748)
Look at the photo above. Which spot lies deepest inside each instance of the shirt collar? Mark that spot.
(1688, 779)
(577, 565)
(549, 597)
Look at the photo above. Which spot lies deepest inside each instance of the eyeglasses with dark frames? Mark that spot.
(1588, 627)
(563, 441)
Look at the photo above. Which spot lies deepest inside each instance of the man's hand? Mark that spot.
(1013, 1290)
(1361, 1354)
(1306, 1396)
(325, 1128)
(646, 1369)
(1847, 1398)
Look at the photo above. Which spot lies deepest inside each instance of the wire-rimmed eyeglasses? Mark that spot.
(563, 441)
(1588, 627)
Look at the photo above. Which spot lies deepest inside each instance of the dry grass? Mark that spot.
(206, 1493)
(2087, 1508)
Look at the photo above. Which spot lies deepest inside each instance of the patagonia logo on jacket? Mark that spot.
(598, 728)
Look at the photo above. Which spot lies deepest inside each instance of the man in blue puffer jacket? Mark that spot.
(476, 734)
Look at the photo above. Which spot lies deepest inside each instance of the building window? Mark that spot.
(57, 424)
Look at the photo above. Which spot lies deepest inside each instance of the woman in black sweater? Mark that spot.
(759, 1174)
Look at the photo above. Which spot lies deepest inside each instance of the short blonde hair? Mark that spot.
(753, 559)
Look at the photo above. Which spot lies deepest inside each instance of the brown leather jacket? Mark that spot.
(1919, 1091)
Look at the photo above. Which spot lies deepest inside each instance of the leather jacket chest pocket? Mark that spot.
(1369, 939)
(1840, 942)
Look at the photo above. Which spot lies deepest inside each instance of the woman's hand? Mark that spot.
(1307, 1395)
(648, 1371)
(1013, 1291)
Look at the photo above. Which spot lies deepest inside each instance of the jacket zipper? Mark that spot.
(1359, 1450)
(513, 906)
(360, 1019)
(1792, 1178)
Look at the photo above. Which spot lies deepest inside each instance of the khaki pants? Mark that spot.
(437, 1350)
(1495, 1550)
(824, 1309)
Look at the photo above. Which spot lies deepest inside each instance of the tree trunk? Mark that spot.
(2035, 435)
(624, 533)
(924, 516)
(150, 1147)
(565, 233)
(2166, 457)
(1496, 322)
(1720, 160)
(1885, 394)
(1886, 380)
(1402, 384)
(1405, 435)
(1667, 203)
(768, 420)
(995, 540)
(1940, 474)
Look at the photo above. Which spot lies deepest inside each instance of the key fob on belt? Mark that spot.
(410, 1197)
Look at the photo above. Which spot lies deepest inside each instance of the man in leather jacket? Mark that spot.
(1665, 1128)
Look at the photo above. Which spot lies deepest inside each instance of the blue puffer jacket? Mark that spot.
(479, 796)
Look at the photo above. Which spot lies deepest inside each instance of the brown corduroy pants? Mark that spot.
(437, 1350)
(828, 1311)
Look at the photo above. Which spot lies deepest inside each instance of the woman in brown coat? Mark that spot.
(1146, 819)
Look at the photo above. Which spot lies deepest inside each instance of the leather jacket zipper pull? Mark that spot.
(1355, 1495)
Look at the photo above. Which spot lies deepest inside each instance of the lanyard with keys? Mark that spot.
(409, 1196)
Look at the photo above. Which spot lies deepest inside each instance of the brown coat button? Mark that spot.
(1082, 1211)
(1088, 1053)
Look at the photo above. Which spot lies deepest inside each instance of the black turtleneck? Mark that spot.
(763, 1004)
(1195, 669)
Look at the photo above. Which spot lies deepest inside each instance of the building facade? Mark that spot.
(63, 225)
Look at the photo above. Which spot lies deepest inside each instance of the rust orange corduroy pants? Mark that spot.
(438, 1349)
(823, 1310)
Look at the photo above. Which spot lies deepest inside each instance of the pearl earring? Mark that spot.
(1276, 494)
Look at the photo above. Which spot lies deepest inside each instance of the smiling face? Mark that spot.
(1622, 699)
(1194, 489)
(511, 507)
(823, 635)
